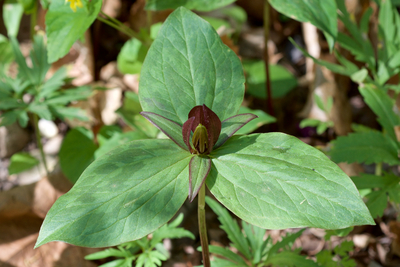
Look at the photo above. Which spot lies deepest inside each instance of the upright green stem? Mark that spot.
(39, 141)
(202, 225)
(266, 58)
(33, 19)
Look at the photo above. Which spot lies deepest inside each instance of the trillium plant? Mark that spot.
(191, 88)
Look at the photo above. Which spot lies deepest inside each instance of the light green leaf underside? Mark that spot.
(188, 65)
(65, 26)
(367, 147)
(276, 181)
(122, 196)
(322, 14)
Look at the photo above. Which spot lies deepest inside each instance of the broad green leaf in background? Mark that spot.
(263, 118)
(322, 14)
(122, 196)
(77, 152)
(217, 23)
(12, 14)
(29, 5)
(20, 162)
(188, 65)
(199, 5)
(129, 112)
(282, 81)
(276, 181)
(106, 132)
(366, 147)
(382, 105)
(65, 26)
(131, 57)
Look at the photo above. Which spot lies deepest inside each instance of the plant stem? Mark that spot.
(266, 59)
(378, 169)
(33, 19)
(118, 25)
(202, 225)
(39, 141)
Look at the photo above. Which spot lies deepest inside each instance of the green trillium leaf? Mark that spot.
(168, 127)
(199, 167)
(276, 181)
(188, 65)
(231, 125)
(122, 196)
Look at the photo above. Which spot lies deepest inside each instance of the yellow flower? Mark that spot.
(74, 4)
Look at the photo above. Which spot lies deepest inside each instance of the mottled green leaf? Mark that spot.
(188, 65)
(122, 196)
(118, 139)
(276, 181)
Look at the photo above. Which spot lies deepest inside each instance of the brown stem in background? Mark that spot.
(270, 107)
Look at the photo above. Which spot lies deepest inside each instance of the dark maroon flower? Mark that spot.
(206, 127)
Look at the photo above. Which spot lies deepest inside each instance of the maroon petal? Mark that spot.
(210, 120)
(186, 130)
(170, 128)
(231, 125)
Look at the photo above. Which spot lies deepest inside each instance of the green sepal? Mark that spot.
(199, 167)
